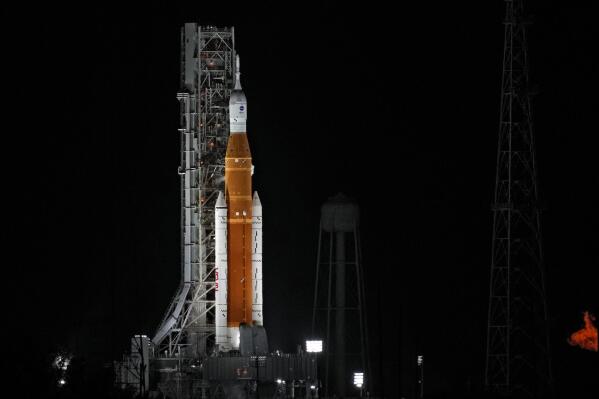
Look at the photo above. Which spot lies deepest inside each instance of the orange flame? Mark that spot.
(587, 337)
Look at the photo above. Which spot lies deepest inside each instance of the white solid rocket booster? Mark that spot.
(220, 248)
(257, 315)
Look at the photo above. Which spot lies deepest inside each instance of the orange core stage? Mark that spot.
(238, 189)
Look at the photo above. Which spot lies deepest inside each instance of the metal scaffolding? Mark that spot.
(207, 77)
(518, 362)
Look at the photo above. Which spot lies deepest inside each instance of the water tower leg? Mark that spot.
(340, 311)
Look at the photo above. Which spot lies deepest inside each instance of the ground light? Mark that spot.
(61, 363)
(314, 346)
(420, 363)
(359, 380)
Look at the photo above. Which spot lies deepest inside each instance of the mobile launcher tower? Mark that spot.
(211, 341)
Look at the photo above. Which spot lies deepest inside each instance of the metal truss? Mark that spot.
(132, 373)
(207, 77)
(518, 363)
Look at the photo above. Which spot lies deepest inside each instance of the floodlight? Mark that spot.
(314, 346)
(359, 379)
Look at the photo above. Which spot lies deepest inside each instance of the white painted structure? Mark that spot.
(237, 106)
(223, 339)
(257, 309)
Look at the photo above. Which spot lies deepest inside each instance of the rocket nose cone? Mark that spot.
(237, 97)
(256, 199)
(238, 106)
(220, 201)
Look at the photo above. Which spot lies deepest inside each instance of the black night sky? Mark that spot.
(397, 107)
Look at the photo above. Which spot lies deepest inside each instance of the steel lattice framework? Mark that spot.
(518, 361)
(207, 77)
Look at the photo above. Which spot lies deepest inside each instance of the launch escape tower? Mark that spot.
(207, 78)
(339, 303)
(518, 360)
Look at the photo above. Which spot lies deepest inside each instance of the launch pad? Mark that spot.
(230, 376)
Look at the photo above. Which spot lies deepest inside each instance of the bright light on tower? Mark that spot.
(420, 360)
(359, 379)
(314, 346)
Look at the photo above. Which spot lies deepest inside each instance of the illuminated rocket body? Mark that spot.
(238, 234)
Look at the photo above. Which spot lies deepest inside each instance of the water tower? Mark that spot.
(339, 304)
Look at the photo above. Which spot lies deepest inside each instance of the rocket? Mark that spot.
(238, 234)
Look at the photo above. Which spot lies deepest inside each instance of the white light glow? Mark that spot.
(314, 346)
(237, 339)
(359, 379)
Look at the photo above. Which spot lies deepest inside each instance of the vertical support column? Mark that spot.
(340, 312)
(328, 310)
(187, 174)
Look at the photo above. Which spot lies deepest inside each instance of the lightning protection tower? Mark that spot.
(518, 361)
(339, 303)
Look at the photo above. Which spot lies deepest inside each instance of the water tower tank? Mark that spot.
(339, 214)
